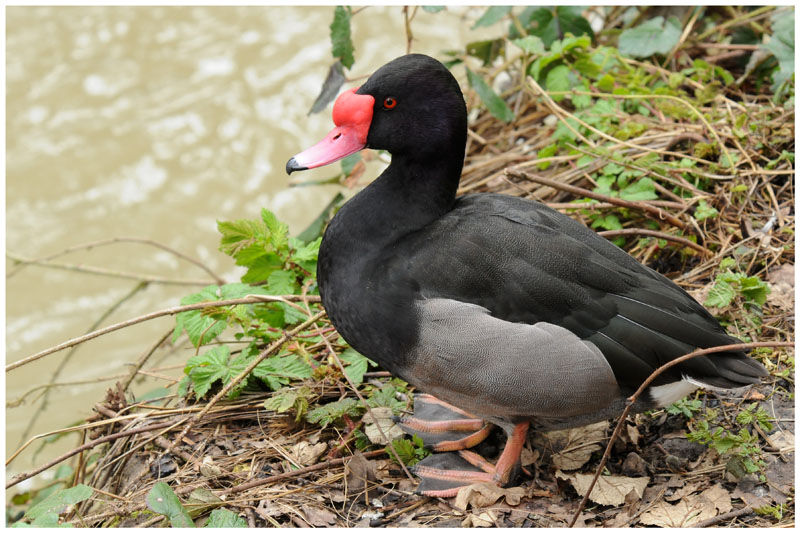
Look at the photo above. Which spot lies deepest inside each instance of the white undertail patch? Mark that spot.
(664, 395)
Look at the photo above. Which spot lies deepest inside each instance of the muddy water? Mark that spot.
(154, 123)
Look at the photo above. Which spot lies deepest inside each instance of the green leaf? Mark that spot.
(163, 501)
(608, 222)
(531, 44)
(206, 368)
(240, 234)
(654, 36)
(342, 44)
(349, 162)
(432, 9)
(59, 499)
(357, 365)
(225, 518)
(551, 24)
(720, 295)
(494, 103)
(753, 289)
(278, 371)
(644, 189)
(557, 79)
(328, 413)
(306, 251)
(278, 231)
(282, 282)
(781, 45)
(704, 211)
(486, 50)
(491, 16)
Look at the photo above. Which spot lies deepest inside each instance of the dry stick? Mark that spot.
(632, 399)
(252, 299)
(107, 272)
(297, 473)
(652, 233)
(642, 206)
(233, 382)
(54, 376)
(726, 516)
(113, 240)
(91, 444)
(137, 366)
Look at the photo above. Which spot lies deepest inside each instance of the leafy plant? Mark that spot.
(654, 36)
(686, 407)
(410, 451)
(162, 500)
(45, 513)
(729, 285)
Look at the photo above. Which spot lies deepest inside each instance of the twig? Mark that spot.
(297, 473)
(91, 444)
(252, 299)
(632, 399)
(113, 240)
(723, 517)
(610, 234)
(107, 272)
(642, 206)
(233, 382)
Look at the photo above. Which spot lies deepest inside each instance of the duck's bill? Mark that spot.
(352, 114)
(340, 142)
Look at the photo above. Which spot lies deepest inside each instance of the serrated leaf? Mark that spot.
(654, 36)
(531, 44)
(328, 413)
(704, 211)
(720, 295)
(225, 518)
(282, 282)
(278, 231)
(55, 502)
(207, 368)
(491, 16)
(308, 251)
(330, 88)
(557, 79)
(494, 103)
(162, 500)
(239, 234)
(357, 365)
(278, 371)
(641, 190)
(342, 44)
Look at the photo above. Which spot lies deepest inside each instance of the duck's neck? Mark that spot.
(408, 196)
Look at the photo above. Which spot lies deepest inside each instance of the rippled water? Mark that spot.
(155, 122)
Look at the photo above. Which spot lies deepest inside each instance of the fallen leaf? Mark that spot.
(719, 497)
(685, 513)
(782, 439)
(682, 492)
(485, 519)
(782, 286)
(318, 517)
(609, 490)
(383, 415)
(573, 447)
(306, 453)
(479, 495)
(359, 471)
(633, 434)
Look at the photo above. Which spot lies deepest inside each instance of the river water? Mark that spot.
(154, 123)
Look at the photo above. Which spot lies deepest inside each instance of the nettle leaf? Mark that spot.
(494, 103)
(704, 211)
(58, 500)
(308, 251)
(721, 294)
(491, 16)
(330, 412)
(207, 368)
(654, 36)
(644, 189)
(341, 42)
(531, 44)
(162, 500)
(752, 288)
(239, 234)
(282, 282)
(225, 518)
(278, 371)
(357, 365)
(278, 231)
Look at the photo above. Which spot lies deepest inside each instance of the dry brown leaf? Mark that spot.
(685, 513)
(384, 417)
(609, 490)
(783, 440)
(486, 519)
(318, 517)
(682, 492)
(306, 453)
(719, 497)
(359, 471)
(479, 495)
(633, 434)
(573, 447)
(781, 286)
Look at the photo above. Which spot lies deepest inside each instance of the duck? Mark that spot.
(500, 310)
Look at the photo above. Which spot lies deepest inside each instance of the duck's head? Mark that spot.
(411, 107)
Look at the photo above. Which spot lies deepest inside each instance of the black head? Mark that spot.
(411, 107)
(419, 108)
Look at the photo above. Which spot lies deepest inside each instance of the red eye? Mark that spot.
(389, 102)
